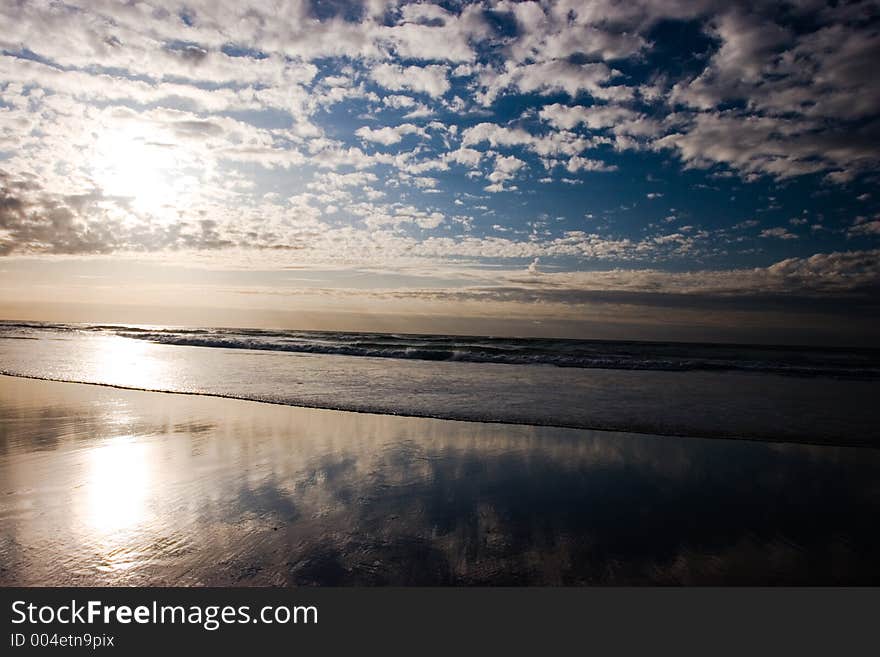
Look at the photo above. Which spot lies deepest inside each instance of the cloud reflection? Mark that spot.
(265, 495)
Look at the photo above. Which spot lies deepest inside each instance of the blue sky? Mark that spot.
(484, 160)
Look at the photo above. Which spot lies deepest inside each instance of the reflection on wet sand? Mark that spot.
(105, 486)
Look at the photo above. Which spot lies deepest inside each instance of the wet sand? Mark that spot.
(101, 486)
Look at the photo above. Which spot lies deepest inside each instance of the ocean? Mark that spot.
(578, 462)
(781, 393)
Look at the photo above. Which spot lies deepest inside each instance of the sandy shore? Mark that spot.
(118, 487)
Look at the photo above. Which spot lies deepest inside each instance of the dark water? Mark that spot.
(859, 363)
(105, 486)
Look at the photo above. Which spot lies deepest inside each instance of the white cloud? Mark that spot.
(577, 163)
(506, 167)
(553, 77)
(594, 116)
(554, 143)
(429, 79)
(388, 135)
(467, 156)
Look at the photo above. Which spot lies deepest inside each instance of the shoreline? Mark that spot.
(659, 432)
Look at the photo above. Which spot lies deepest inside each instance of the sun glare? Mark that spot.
(134, 162)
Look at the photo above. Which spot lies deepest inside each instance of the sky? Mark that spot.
(639, 170)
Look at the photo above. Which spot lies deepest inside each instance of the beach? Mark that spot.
(104, 486)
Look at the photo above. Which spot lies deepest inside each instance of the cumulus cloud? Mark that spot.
(593, 116)
(780, 147)
(779, 233)
(863, 226)
(577, 163)
(431, 80)
(552, 144)
(388, 135)
(554, 77)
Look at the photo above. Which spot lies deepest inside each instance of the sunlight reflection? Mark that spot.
(118, 480)
(127, 362)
